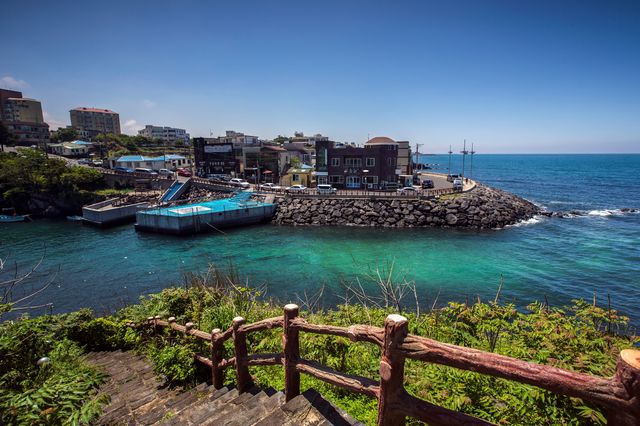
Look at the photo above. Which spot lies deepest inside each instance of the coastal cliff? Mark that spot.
(481, 208)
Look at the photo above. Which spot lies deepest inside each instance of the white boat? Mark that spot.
(8, 219)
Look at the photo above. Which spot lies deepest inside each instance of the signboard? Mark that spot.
(210, 149)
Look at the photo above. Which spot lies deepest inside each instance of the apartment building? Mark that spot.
(94, 121)
(169, 135)
(213, 157)
(374, 166)
(23, 118)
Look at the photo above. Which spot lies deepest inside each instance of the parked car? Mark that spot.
(97, 163)
(240, 182)
(451, 178)
(84, 161)
(327, 189)
(183, 172)
(123, 169)
(270, 187)
(145, 170)
(296, 188)
(165, 172)
(457, 184)
(427, 183)
(407, 190)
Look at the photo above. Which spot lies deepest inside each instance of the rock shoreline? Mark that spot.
(481, 208)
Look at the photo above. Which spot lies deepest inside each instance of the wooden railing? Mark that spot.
(619, 396)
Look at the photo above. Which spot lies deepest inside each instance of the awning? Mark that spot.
(267, 172)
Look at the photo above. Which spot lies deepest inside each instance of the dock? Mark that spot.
(206, 216)
(111, 212)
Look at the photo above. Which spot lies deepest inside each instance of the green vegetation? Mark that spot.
(65, 134)
(29, 177)
(62, 389)
(122, 144)
(582, 337)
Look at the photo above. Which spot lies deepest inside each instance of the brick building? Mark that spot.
(374, 166)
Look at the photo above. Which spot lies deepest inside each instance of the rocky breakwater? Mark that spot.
(481, 208)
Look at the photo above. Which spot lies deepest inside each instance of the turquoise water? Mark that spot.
(559, 259)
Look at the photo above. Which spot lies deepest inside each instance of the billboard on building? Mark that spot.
(210, 149)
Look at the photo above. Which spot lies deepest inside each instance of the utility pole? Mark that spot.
(450, 152)
(418, 145)
(472, 152)
(464, 153)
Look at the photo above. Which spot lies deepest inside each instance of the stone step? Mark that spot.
(139, 398)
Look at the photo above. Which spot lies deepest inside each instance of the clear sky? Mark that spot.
(511, 76)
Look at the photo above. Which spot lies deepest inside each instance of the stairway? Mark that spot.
(139, 398)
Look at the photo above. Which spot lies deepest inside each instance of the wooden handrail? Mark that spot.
(598, 390)
(348, 381)
(619, 396)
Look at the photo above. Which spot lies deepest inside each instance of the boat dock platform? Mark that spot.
(207, 216)
(111, 212)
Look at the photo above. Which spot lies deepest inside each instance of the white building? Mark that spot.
(71, 149)
(238, 139)
(166, 134)
(169, 161)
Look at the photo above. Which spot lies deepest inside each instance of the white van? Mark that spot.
(326, 189)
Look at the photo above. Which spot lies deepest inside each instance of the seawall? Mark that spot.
(481, 208)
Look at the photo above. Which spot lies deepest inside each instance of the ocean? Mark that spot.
(553, 259)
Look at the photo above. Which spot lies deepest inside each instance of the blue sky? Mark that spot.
(512, 76)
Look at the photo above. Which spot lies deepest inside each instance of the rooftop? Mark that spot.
(381, 140)
(143, 158)
(105, 111)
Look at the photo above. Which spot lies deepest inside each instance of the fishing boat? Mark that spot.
(16, 218)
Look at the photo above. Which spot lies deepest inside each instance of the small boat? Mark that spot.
(75, 218)
(16, 218)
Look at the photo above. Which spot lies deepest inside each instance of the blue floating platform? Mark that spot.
(206, 216)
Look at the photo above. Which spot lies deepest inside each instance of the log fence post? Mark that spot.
(156, 327)
(244, 381)
(628, 373)
(171, 321)
(187, 327)
(392, 372)
(216, 357)
(291, 348)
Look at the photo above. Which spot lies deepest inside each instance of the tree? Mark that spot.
(4, 136)
(66, 134)
(281, 139)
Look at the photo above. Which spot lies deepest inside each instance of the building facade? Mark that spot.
(95, 121)
(213, 157)
(374, 166)
(23, 118)
(71, 149)
(166, 134)
(169, 161)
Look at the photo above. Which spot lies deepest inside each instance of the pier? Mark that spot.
(206, 216)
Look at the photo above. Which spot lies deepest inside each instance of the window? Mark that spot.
(371, 161)
(353, 182)
(370, 179)
(391, 161)
(322, 180)
(296, 178)
(335, 161)
(336, 179)
(353, 162)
